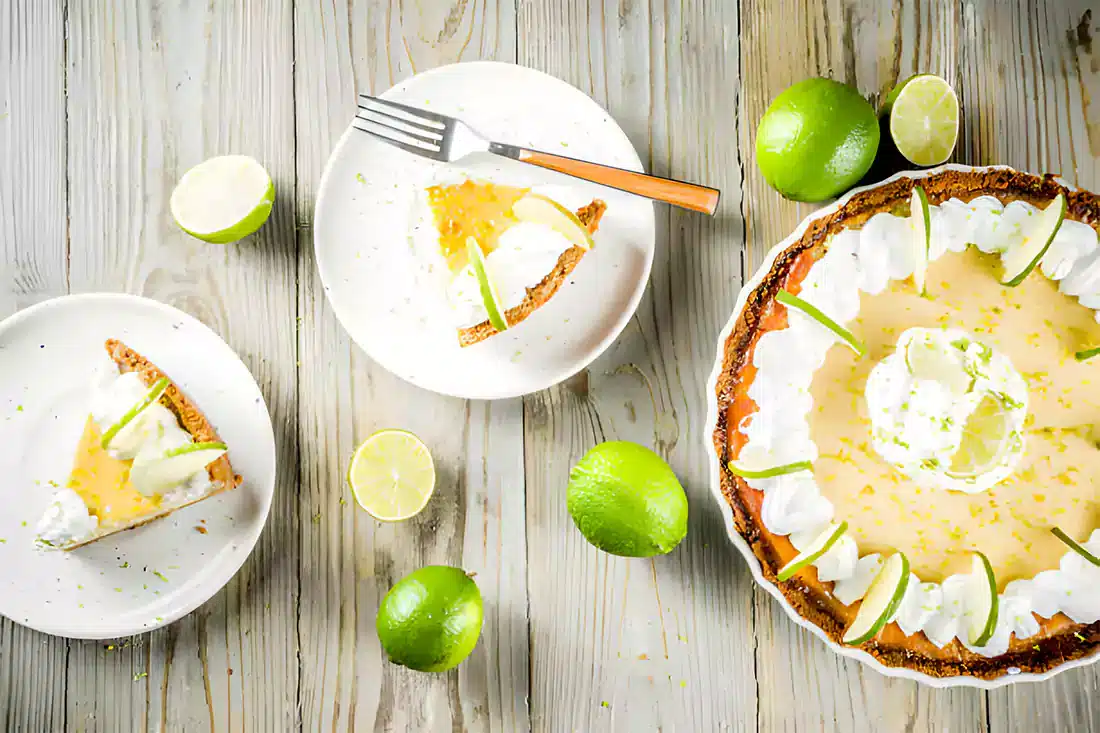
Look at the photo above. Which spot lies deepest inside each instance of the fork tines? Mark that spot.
(414, 130)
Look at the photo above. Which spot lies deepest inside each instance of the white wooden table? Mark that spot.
(104, 104)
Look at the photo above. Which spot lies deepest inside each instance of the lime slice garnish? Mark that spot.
(150, 397)
(982, 601)
(882, 600)
(920, 219)
(925, 360)
(538, 209)
(924, 119)
(1019, 262)
(821, 544)
(984, 439)
(1075, 546)
(494, 306)
(1086, 354)
(392, 475)
(223, 199)
(770, 472)
(793, 301)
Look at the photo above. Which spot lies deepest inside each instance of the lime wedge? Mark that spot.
(924, 119)
(1075, 546)
(985, 437)
(882, 600)
(770, 472)
(981, 602)
(223, 199)
(392, 475)
(793, 301)
(131, 415)
(538, 209)
(926, 360)
(920, 219)
(493, 304)
(1087, 354)
(1019, 262)
(821, 544)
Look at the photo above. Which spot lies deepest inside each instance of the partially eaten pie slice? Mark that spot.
(528, 243)
(146, 451)
(932, 498)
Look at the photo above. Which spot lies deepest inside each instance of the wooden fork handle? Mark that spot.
(677, 193)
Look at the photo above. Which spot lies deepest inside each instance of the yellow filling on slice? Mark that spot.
(1057, 481)
(475, 209)
(103, 482)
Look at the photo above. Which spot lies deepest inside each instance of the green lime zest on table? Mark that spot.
(793, 301)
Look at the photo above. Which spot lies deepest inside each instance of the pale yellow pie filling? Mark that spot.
(1056, 482)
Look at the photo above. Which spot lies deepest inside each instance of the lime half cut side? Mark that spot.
(392, 475)
(223, 199)
(924, 119)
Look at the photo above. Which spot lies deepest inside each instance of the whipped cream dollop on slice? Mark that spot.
(943, 399)
(66, 520)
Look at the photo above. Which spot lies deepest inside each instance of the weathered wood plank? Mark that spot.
(33, 232)
(1036, 77)
(663, 644)
(476, 517)
(872, 46)
(153, 89)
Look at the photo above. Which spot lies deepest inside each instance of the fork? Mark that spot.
(446, 139)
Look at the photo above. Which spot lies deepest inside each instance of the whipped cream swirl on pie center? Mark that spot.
(947, 410)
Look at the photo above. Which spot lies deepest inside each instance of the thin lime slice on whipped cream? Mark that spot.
(984, 439)
(820, 545)
(119, 435)
(982, 601)
(538, 209)
(154, 472)
(920, 219)
(1018, 262)
(770, 472)
(793, 301)
(1086, 354)
(223, 199)
(882, 600)
(494, 306)
(1075, 545)
(927, 359)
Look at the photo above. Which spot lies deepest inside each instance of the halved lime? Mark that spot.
(771, 472)
(793, 301)
(494, 306)
(1075, 546)
(924, 119)
(920, 219)
(821, 544)
(392, 475)
(882, 600)
(984, 439)
(1019, 262)
(981, 602)
(223, 199)
(539, 209)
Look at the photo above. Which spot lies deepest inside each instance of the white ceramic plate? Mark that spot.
(145, 578)
(739, 542)
(366, 212)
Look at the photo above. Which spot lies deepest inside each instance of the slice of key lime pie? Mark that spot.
(146, 450)
(908, 422)
(505, 251)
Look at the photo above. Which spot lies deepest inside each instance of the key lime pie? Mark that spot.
(146, 451)
(504, 251)
(908, 422)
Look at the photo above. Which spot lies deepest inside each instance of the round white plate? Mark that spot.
(366, 210)
(145, 578)
(716, 469)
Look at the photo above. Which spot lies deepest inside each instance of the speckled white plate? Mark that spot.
(365, 214)
(142, 579)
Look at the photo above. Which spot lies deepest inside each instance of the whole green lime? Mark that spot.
(626, 500)
(816, 140)
(431, 619)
